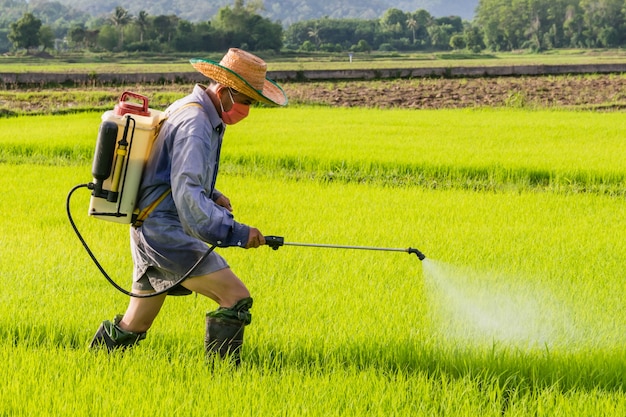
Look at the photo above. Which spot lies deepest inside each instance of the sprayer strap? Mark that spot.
(165, 115)
(143, 214)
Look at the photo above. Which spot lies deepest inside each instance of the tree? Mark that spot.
(573, 27)
(46, 37)
(54, 13)
(165, 27)
(457, 42)
(474, 39)
(608, 37)
(411, 23)
(107, 38)
(394, 20)
(194, 37)
(25, 32)
(76, 36)
(314, 33)
(542, 24)
(424, 20)
(307, 46)
(343, 32)
(120, 19)
(142, 23)
(440, 35)
(241, 25)
(265, 35)
(505, 23)
(91, 38)
(362, 46)
(455, 23)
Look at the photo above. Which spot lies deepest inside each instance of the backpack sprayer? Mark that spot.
(124, 141)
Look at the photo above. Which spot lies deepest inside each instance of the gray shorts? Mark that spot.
(159, 279)
(163, 253)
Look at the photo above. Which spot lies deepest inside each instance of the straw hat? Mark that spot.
(245, 73)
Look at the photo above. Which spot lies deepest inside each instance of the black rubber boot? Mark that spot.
(224, 331)
(111, 336)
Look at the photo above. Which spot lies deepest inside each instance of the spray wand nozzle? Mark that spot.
(275, 242)
(419, 254)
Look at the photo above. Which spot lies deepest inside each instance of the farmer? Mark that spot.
(182, 168)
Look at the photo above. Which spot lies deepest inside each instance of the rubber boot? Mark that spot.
(224, 338)
(225, 329)
(111, 336)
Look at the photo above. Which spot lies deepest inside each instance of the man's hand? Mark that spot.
(255, 238)
(224, 201)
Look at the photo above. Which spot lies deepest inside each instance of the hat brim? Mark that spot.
(272, 94)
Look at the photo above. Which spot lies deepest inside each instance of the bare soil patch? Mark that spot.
(598, 92)
(591, 91)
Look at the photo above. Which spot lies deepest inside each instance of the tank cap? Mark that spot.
(124, 106)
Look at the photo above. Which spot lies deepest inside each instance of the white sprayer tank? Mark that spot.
(137, 127)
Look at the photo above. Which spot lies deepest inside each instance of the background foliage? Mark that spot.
(285, 11)
(498, 25)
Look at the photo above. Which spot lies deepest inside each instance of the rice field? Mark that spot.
(517, 309)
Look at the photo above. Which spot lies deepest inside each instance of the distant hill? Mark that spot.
(285, 11)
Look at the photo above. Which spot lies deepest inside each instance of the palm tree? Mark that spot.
(120, 19)
(314, 33)
(412, 24)
(143, 23)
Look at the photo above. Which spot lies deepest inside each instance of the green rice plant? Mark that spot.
(335, 332)
(473, 149)
(49, 140)
(484, 149)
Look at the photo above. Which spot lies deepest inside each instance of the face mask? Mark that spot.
(237, 112)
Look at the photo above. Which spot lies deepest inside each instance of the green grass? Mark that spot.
(339, 332)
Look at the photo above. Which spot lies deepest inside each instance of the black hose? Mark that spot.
(95, 260)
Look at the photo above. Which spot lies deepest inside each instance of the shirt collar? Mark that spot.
(200, 96)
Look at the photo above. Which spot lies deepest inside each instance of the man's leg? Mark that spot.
(127, 330)
(141, 312)
(224, 326)
(221, 286)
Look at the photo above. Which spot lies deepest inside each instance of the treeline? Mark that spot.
(499, 25)
(240, 25)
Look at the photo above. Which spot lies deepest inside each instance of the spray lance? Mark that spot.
(276, 242)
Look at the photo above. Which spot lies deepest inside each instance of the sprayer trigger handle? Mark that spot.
(274, 242)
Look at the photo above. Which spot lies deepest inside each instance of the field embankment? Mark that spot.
(72, 78)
